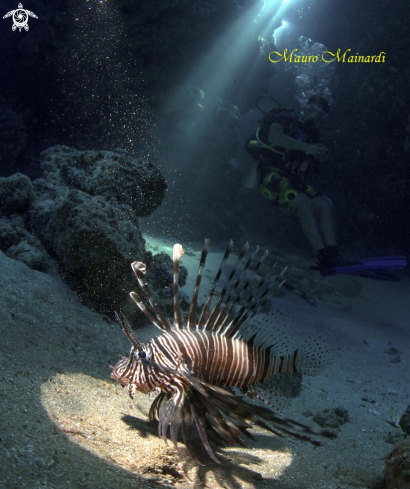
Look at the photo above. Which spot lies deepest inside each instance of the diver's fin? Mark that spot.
(379, 268)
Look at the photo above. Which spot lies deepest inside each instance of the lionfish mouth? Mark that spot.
(120, 369)
(117, 378)
(195, 358)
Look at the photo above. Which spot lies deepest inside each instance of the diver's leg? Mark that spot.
(329, 256)
(323, 207)
(303, 206)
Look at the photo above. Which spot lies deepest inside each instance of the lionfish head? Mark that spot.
(129, 372)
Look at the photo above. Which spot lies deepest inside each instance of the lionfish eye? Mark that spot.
(142, 354)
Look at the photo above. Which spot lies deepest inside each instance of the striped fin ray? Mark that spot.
(178, 253)
(194, 301)
(213, 316)
(237, 290)
(206, 307)
(212, 319)
(242, 288)
(250, 308)
(137, 299)
(257, 299)
(158, 319)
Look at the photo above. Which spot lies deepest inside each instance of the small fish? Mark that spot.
(194, 359)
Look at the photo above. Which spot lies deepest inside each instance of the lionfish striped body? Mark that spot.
(190, 363)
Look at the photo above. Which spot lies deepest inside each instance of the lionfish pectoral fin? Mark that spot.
(239, 411)
(175, 425)
(165, 414)
(186, 427)
(219, 414)
(200, 421)
(156, 406)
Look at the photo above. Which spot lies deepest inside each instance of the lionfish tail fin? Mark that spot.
(219, 415)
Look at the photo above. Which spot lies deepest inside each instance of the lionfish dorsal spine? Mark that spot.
(252, 303)
(178, 253)
(137, 299)
(253, 308)
(212, 319)
(236, 293)
(192, 310)
(235, 290)
(160, 320)
(206, 308)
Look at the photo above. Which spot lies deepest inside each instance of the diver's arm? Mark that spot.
(277, 137)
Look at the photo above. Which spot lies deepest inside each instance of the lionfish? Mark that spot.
(193, 360)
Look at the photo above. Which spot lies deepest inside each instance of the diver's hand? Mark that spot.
(318, 151)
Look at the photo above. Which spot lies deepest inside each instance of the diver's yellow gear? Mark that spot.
(284, 189)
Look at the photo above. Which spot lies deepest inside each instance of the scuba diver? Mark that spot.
(287, 147)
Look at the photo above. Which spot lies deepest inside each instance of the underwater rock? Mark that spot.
(18, 243)
(332, 418)
(113, 175)
(398, 466)
(16, 193)
(85, 213)
(94, 241)
(34, 257)
(12, 231)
